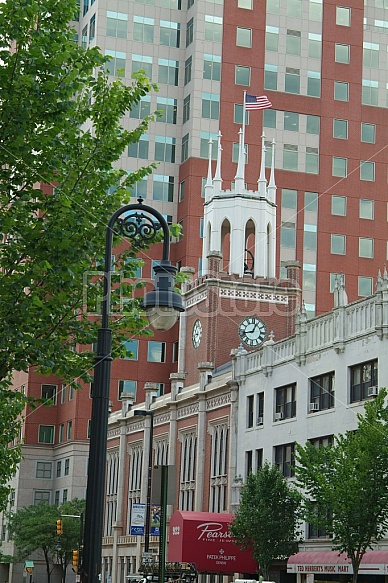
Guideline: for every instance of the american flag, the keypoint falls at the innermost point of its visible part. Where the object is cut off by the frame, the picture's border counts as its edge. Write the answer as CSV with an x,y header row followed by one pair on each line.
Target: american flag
x,y
256,102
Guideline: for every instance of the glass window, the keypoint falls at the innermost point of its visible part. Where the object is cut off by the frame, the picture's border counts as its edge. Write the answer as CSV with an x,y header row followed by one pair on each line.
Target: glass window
x,y
156,351
46,434
242,75
61,433
142,109
190,32
188,70
312,160
290,157
294,8
269,118
293,42
236,152
367,209
313,83
309,277
271,77
273,6
139,189
244,37
367,170
291,121
342,16
365,247
92,28
339,167
41,496
311,202
44,470
59,469
130,348
338,244
85,37
314,45
362,378
163,187
167,108
285,402
292,81
313,124
315,10
170,33
49,394
310,238
204,145
128,388
341,91
321,392
186,108
164,149
338,205
272,38
335,279
185,147
247,4
116,24
139,149
211,67
342,53
213,28
143,29
67,467
370,92
69,430
238,114
210,105
371,55
288,235
365,286
340,129
168,72
368,133
116,64
285,458
142,63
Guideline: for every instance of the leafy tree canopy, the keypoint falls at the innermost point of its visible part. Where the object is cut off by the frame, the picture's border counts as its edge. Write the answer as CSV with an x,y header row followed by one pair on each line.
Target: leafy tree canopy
x,y
266,521
346,486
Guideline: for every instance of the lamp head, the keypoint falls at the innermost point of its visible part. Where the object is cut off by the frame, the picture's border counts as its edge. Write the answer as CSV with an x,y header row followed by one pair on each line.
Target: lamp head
x,y
163,304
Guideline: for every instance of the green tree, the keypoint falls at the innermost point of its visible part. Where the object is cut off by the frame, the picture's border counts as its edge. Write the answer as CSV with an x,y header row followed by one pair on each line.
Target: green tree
x,y
61,137
266,521
72,513
346,486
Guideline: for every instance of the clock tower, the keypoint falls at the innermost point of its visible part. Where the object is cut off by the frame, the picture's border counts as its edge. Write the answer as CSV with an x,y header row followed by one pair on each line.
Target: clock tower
x,y
237,300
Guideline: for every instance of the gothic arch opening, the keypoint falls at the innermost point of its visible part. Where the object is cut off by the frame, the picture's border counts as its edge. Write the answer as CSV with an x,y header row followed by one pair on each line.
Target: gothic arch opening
x,y
225,245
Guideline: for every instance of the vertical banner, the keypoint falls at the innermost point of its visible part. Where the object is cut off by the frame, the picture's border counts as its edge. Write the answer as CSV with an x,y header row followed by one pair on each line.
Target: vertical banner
x,y
155,520
138,519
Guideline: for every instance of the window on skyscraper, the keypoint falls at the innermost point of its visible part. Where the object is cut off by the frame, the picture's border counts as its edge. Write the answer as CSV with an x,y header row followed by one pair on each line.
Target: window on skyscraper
x,y
185,148
367,170
170,33
244,37
293,42
92,28
167,107
313,124
116,24
143,63
312,160
210,106
289,198
370,92
341,91
46,434
238,114
313,83
139,149
340,129
311,202
164,149
204,145
269,118
247,4
168,72
288,235
272,38
273,6
139,189
365,286
291,121
242,75
212,67
314,45
338,244
236,150
174,4
365,247
292,80
338,205
156,351
116,65
342,16
339,166
190,32
342,53
315,10
143,29
131,348
368,133
290,157
294,8
213,28
188,69
367,209
309,277
270,77
84,36
127,386
163,187
310,237
186,109
371,55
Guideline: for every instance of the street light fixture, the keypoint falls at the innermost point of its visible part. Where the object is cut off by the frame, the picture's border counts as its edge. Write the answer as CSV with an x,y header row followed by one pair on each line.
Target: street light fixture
x,y
147,526
139,223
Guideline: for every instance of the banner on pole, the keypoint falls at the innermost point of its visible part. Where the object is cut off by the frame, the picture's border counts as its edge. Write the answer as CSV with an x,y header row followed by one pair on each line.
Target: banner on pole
x,y
137,519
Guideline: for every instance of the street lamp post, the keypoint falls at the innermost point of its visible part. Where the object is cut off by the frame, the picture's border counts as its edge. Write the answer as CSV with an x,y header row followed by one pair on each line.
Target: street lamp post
x,y
147,526
139,223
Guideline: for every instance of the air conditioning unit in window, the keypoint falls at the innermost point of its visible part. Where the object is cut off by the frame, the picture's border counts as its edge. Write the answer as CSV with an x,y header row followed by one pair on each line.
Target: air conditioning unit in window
x,y
279,416
314,407
372,391
260,421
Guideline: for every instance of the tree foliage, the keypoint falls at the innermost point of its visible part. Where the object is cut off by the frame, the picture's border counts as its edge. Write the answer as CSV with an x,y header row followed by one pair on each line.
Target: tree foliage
x,y
33,529
61,136
346,486
266,521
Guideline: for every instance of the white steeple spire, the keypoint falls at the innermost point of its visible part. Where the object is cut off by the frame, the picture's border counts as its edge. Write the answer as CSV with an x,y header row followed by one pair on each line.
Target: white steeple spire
x,y
262,182
217,176
209,189
239,179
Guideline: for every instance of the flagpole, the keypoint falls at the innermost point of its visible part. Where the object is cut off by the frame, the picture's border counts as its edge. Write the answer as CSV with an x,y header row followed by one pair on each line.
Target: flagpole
x,y
243,123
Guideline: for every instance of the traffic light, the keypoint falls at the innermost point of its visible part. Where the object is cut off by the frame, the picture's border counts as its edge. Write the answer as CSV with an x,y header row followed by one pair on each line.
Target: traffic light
x,y
59,527
75,558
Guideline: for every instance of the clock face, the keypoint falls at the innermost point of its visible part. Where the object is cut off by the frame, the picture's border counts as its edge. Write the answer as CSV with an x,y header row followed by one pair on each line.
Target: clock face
x,y
196,334
252,331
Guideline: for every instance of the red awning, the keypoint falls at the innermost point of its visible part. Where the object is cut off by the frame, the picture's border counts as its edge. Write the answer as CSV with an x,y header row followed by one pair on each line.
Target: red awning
x,y
327,562
203,538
